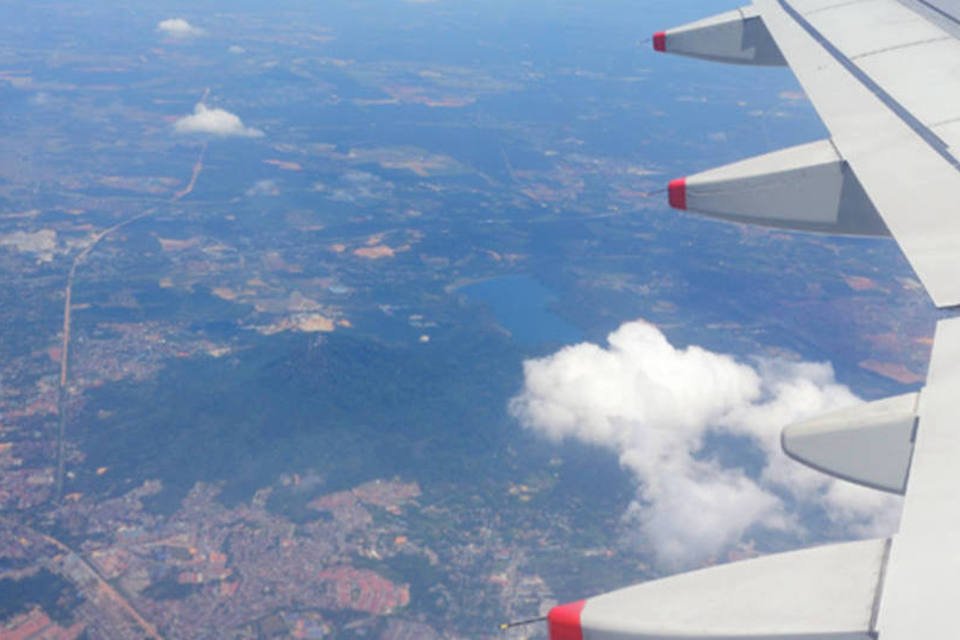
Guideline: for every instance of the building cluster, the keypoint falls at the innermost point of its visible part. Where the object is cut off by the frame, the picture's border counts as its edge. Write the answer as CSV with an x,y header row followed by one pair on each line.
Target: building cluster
x,y
37,625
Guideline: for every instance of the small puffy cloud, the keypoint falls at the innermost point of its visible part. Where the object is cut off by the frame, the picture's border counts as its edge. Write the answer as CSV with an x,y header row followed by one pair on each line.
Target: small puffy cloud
x,y
178,28
42,244
357,187
217,122
657,406
263,188
236,49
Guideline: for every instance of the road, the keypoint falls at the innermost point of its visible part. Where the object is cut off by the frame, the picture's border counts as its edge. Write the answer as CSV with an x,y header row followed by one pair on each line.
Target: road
x,y
63,387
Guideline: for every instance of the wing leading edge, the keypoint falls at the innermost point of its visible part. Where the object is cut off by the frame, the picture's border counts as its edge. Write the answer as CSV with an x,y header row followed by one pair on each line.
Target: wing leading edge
x,y
885,82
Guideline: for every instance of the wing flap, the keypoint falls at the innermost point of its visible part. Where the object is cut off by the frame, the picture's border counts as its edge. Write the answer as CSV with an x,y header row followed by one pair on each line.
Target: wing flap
x,y
924,78
862,28
950,134
914,62
920,596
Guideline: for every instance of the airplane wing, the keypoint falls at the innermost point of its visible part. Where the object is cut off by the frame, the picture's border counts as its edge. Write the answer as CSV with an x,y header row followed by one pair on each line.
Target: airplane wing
x,y
884,75
885,79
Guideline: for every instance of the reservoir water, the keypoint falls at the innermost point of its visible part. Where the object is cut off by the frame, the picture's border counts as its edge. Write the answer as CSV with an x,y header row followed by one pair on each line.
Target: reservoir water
x,y
522,306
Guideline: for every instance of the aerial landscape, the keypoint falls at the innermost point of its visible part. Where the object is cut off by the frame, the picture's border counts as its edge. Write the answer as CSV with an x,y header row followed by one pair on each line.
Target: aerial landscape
x,y
371,320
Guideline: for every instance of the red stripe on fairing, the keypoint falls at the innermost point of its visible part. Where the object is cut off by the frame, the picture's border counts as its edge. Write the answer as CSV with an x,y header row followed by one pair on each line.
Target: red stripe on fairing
x,y
678,193
564,621
660,41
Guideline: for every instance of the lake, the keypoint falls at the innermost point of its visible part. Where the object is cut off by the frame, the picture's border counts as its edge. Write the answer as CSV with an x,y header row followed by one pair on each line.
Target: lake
x,y
522,305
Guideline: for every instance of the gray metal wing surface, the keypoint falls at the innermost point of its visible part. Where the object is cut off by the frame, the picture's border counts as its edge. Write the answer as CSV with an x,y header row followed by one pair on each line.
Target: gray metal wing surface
x,y
886,82
884,76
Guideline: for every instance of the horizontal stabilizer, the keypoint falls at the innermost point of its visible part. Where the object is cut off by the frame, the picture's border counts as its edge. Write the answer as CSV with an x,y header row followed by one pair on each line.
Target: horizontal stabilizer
x,y
823,593
807,188
738,37
870,444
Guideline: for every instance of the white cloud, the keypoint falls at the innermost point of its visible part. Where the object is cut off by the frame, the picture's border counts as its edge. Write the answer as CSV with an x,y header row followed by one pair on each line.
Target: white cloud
x,y
42,244
178,28
655,405
236,49
263,188
218,122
